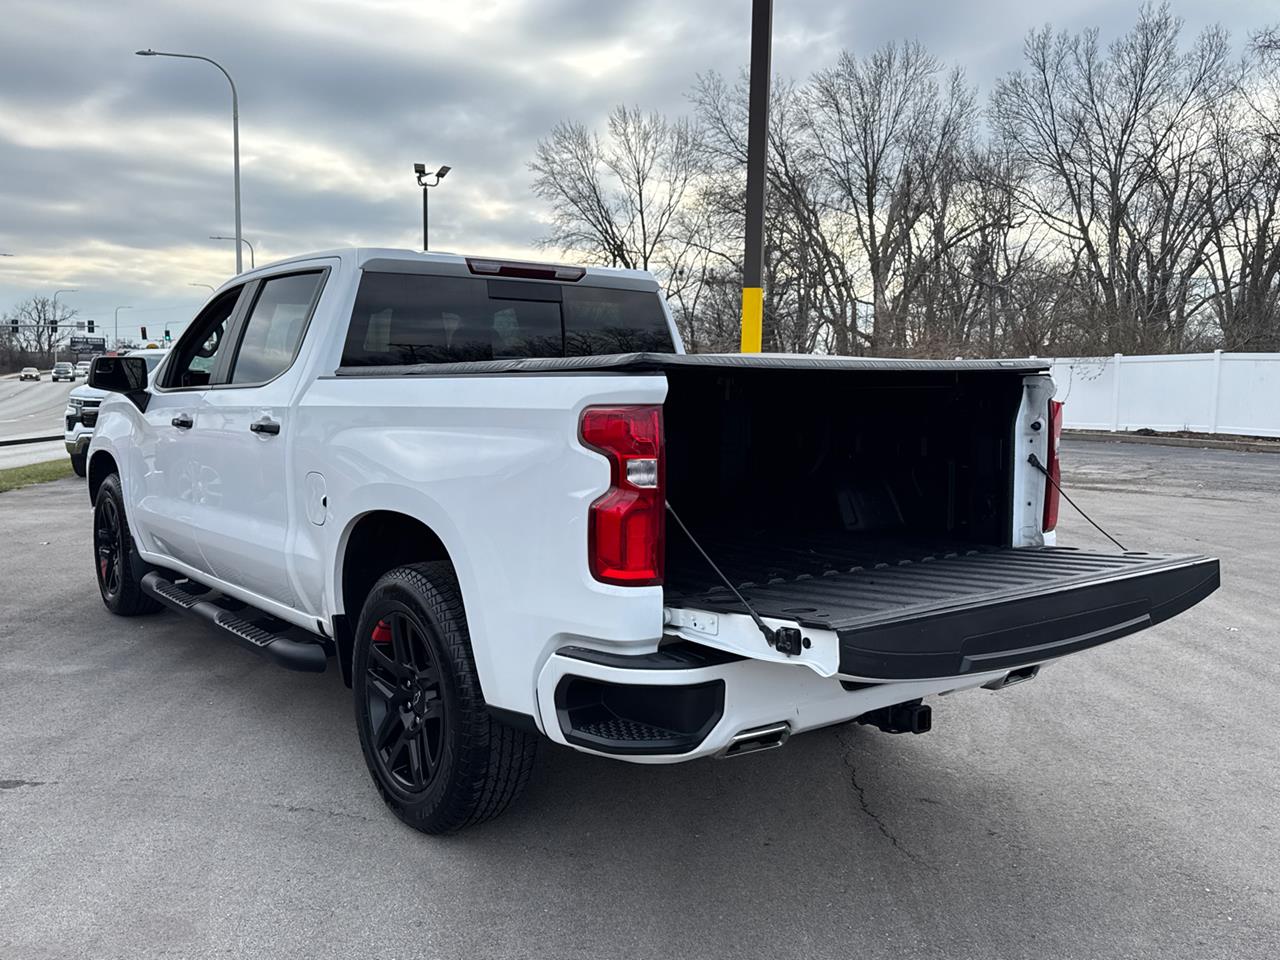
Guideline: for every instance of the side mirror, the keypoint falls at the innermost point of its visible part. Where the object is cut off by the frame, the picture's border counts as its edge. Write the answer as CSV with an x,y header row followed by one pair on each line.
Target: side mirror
x,y
127,375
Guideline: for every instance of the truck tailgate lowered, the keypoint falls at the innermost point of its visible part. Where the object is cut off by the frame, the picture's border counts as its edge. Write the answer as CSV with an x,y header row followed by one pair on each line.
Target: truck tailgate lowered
x,y
952,612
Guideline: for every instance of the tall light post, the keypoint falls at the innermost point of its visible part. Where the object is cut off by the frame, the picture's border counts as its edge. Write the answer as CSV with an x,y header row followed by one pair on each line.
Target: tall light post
x,y
116,344
235,130
55,319
426,181
247,244
209,285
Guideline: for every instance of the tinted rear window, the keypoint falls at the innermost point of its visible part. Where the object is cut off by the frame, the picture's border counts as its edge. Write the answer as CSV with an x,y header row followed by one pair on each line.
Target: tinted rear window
x,y
406,318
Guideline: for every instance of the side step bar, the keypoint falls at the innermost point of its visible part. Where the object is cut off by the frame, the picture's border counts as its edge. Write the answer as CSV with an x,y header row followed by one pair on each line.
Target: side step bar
x,y
287,652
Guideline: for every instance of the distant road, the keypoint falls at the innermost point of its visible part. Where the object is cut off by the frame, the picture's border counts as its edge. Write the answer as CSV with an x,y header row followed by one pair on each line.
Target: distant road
x,y
30,408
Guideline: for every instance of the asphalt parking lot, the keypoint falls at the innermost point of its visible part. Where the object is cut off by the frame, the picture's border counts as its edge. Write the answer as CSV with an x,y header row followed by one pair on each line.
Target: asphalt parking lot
x,y
165,793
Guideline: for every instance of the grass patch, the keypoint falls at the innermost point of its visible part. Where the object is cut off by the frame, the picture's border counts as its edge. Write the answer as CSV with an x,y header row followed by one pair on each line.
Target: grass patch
x,y
16,477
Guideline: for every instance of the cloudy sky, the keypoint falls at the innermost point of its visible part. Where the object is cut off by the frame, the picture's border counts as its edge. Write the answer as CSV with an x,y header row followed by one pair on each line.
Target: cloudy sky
x,y
114,169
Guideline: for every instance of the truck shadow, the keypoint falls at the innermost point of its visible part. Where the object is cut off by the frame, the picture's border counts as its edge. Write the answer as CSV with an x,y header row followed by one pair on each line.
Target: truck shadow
x,y
845,835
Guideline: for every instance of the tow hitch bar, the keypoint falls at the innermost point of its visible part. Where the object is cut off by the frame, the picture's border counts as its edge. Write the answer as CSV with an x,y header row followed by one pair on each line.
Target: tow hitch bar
x,y
912,717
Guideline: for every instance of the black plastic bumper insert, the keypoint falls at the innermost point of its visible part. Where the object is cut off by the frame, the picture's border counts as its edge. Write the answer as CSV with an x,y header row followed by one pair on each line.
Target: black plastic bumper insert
x,y
624,718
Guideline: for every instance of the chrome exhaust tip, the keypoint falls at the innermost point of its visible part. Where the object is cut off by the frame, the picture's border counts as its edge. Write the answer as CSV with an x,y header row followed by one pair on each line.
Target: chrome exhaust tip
x,y
1021,675
755,739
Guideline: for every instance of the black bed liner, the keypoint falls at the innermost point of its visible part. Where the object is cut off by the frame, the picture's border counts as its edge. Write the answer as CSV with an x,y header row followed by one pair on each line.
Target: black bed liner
x,y
906,612
659,362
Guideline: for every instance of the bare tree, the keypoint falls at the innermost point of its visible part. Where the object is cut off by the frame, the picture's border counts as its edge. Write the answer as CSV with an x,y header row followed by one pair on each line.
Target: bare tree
x,y
809,292
1243,266
1119,144
893,145
615,200
1127,198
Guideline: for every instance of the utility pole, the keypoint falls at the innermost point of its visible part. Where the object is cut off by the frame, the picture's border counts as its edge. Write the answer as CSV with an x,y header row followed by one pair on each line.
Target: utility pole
x,y
757,151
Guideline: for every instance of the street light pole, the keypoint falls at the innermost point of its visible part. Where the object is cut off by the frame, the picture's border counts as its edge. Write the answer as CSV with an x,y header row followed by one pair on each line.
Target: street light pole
x,y
252,263
116,344
426,181
209,285
55,319
235,130
757,148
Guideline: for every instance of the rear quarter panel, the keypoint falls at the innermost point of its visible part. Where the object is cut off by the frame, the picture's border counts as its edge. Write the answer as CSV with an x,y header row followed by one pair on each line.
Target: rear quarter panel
x,y
494,467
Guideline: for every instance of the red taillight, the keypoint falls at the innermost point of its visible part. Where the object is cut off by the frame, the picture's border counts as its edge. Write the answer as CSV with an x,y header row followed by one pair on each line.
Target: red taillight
x,y
1054,467
626,526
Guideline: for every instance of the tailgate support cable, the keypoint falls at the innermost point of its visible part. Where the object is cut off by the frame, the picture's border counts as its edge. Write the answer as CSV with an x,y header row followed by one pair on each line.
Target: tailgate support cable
x,y
1035,462
785,639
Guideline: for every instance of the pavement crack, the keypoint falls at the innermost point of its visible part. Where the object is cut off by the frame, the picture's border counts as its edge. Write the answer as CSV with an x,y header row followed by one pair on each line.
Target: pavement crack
x,y
15,784
861,792
335,814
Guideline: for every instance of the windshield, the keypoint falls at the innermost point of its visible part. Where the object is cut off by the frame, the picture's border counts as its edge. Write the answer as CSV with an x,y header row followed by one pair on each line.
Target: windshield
x,y
403,318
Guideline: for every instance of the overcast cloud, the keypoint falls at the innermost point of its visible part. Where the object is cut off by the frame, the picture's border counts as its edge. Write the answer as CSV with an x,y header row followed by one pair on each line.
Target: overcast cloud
x,y
114,168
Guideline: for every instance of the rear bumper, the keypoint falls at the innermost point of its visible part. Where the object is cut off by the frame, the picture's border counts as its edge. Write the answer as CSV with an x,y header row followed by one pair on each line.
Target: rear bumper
x,y
685,707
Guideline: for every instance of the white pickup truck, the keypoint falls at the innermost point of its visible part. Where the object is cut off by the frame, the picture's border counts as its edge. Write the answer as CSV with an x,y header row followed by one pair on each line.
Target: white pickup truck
x,y
507,503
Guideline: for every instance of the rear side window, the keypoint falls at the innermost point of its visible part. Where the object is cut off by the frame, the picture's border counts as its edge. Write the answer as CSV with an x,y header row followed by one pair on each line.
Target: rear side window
x,y
406,318
598,320
275,327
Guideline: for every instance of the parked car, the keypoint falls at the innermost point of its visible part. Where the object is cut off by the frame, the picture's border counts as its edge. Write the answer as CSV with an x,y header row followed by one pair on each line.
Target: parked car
x,y
29,373
82,368
63,371
507,504
82,412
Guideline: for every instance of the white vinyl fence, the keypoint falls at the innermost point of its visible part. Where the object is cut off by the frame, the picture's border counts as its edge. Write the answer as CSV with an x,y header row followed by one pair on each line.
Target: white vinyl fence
x,y
1205,392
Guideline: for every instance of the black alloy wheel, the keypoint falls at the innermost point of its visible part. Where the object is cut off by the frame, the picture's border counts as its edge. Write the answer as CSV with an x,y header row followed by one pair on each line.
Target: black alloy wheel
x,y
437,755
405,700
109,540
116,562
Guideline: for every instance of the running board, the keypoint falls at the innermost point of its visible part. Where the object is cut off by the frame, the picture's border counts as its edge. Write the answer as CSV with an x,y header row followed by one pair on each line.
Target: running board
x,y
284,650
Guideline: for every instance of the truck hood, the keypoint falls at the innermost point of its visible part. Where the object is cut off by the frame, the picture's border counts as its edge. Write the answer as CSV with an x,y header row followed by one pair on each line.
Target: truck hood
x,y
86,392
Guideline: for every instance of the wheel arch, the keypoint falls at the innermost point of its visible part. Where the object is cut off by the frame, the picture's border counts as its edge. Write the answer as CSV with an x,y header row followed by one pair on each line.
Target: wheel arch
x,y
101,465
373,543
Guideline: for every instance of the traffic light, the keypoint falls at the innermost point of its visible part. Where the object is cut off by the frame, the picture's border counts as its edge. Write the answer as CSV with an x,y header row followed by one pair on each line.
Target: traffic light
x,y
90,326
167,336
144,332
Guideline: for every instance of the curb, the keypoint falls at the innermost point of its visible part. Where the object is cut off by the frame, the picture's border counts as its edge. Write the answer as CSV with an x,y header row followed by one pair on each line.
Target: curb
x,y
1105,436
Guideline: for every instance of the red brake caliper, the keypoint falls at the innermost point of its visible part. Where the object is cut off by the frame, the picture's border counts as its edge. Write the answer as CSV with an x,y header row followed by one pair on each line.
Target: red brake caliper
x,y
382,632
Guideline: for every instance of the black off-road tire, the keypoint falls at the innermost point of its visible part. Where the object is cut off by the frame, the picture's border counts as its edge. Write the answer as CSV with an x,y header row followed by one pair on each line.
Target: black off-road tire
x,y
414,682
78,463
115,556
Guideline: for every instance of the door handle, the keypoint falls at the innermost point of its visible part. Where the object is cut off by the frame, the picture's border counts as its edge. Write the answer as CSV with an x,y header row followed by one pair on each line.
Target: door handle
x,y
265,425
183,421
